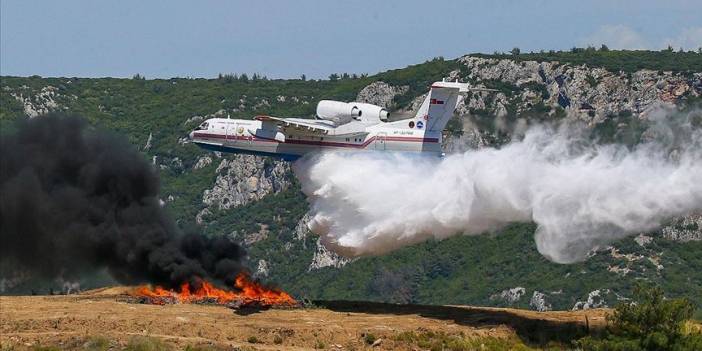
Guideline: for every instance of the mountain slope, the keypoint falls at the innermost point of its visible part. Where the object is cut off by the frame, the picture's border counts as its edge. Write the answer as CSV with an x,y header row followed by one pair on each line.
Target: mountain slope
x,y
258,202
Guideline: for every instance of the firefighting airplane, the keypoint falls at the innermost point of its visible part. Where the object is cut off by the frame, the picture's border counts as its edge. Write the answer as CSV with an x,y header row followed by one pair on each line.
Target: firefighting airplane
x,y
339,126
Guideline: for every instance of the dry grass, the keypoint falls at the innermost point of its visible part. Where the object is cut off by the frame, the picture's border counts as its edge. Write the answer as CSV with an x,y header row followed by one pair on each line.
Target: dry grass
x,y
440,341
144,343
74,323
692,327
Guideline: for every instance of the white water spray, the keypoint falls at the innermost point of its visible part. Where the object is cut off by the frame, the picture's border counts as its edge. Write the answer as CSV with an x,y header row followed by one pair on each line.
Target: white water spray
x,y
581,195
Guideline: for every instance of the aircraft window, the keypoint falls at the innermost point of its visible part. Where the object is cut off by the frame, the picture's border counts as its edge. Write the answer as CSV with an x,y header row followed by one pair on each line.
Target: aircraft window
x,y
411,124
202,126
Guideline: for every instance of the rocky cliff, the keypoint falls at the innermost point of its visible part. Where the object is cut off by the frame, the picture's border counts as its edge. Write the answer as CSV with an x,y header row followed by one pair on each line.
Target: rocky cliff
x,y
541,91
242,179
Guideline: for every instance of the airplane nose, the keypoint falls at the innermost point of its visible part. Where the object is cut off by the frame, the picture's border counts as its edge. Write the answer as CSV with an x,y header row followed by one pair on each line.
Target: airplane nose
x,y
191,135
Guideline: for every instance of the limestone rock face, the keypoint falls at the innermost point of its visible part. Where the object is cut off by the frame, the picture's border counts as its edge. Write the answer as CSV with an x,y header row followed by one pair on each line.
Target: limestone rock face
x,y
538,302
245,178
380,93
261,234
39,103
262,269
417,102
322,256
470,140
595,299
586,93
200,217
301,230
202,162
688,228
643,240
325,258
149,141
194,120
510,296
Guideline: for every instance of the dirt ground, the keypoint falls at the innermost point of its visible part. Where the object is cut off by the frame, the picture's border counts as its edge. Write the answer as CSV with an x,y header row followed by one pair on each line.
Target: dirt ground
x,y
71,322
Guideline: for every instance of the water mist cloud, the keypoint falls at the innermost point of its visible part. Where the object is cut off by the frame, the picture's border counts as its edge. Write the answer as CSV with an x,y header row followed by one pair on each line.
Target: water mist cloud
x,y
580,194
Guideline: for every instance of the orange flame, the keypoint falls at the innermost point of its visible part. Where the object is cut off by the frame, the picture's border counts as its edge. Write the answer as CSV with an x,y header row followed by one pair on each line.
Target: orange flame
x,y
248,292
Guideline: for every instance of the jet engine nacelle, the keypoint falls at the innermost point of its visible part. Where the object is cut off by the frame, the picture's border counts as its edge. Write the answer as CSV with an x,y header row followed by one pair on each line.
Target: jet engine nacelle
x,y
344,112
337,111
371,113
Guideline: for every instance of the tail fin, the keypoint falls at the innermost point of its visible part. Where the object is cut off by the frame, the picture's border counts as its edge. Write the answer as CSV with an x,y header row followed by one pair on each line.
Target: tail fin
x,y
437,109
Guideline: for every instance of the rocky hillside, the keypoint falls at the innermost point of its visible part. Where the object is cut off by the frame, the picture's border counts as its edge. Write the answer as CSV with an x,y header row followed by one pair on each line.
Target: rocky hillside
x,y
257,200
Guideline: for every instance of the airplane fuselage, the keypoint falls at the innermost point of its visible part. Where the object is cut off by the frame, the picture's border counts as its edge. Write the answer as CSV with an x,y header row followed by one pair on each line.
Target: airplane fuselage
x,y
251,137
340,126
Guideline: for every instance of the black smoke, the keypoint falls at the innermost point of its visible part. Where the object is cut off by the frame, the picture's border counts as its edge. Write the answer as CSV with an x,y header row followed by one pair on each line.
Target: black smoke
x,y
74,199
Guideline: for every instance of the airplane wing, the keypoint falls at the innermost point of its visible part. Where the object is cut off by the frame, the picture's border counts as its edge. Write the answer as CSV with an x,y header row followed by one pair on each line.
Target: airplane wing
x,y
285,123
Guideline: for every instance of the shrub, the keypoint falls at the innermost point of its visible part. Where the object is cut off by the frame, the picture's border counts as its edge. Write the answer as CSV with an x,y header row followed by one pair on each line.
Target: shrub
x,y
591,80
649,322
199,348
143,343
97,343
252,339
46,348
440,341
369,338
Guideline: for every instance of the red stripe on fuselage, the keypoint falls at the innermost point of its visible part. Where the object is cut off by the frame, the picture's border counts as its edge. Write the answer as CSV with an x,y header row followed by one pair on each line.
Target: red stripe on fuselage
x,y
317,142
234,137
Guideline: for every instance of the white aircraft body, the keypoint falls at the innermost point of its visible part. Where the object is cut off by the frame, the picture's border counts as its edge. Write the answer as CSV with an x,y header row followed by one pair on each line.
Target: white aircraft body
x,y
339,126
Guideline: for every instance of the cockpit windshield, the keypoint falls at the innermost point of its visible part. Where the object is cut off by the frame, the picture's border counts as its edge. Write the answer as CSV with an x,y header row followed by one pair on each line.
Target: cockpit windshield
x,y
203,126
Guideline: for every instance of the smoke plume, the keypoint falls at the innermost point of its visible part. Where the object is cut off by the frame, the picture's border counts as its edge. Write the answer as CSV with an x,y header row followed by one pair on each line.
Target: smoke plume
x,y
581,194
76,199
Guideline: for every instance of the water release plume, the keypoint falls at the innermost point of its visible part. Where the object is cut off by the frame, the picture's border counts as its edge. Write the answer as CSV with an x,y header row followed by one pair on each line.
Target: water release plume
x,y
580,194
76,199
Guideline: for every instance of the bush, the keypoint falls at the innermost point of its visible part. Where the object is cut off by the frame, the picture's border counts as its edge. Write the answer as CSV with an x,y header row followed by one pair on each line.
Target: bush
x,y
146,344
369,338
440,341
97,343
252,340
649,322
200,348
46,348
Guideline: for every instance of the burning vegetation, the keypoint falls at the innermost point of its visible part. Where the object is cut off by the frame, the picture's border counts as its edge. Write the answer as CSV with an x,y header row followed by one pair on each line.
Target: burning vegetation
x,y
246,293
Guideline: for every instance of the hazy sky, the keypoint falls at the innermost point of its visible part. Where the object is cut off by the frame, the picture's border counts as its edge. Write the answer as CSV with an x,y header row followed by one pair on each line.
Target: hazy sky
x,y
284,39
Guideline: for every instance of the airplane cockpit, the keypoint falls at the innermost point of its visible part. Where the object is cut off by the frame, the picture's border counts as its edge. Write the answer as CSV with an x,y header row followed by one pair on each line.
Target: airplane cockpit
x,y
202,126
